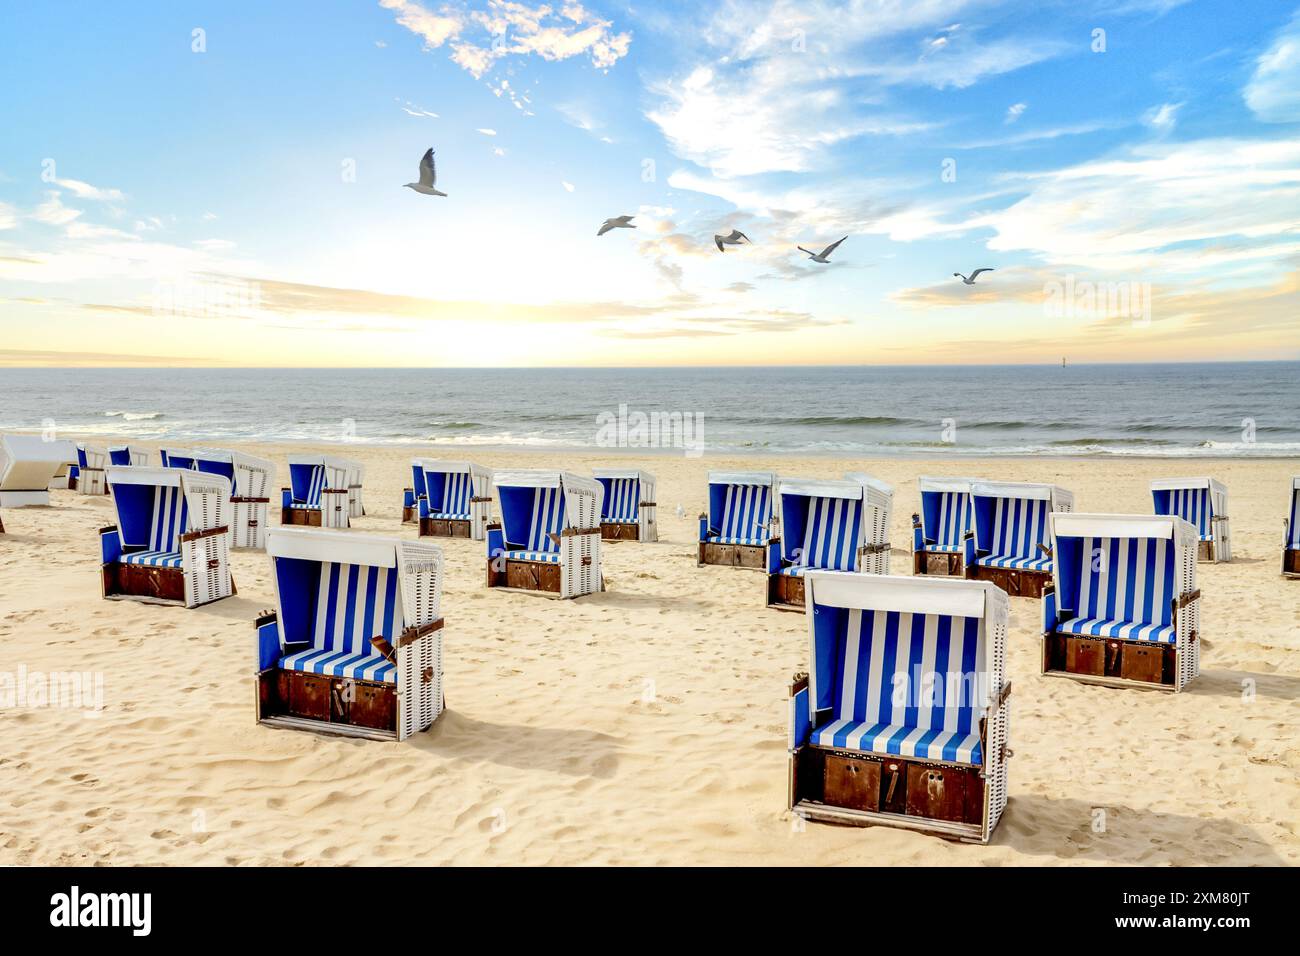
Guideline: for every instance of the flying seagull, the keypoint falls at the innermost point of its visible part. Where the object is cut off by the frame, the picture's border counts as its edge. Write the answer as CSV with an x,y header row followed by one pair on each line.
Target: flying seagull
x,y
732,240
821,256
428,176
618,222
971,280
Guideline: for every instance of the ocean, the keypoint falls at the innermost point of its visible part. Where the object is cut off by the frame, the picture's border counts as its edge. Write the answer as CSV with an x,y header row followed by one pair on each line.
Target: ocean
x,y
1197,410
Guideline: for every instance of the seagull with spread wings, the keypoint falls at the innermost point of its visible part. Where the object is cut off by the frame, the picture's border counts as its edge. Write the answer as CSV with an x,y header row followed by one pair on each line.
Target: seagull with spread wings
x,y
970,280
734,239
428,176
822,256
618,222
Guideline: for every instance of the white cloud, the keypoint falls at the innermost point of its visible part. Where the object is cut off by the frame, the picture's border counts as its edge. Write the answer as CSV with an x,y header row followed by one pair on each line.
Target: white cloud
x,y
8,218
1015,111
568,187
479,38
1163,117
486,132
782,84
410,109
86,191
1273,92
1159,207
52,212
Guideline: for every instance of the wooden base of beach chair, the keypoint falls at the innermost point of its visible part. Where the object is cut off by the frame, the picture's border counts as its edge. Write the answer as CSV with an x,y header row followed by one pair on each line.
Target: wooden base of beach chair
x,y
785,592
867,789
137,582
1015,581
332,705
447,528
1291,563
143,583
541,576
306,517
1110,661
938,563
733,555
410,514
620,531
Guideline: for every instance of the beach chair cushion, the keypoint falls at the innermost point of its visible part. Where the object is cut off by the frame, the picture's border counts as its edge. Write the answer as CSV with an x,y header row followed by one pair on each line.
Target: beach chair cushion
x,y
354,603
937,720
304,506
620,502
451,516
153,559
724,539
553,557
1126,630
901,740
830,538
1040,563
1019,527
1194,506
746,514
1126,589
954,518
547,519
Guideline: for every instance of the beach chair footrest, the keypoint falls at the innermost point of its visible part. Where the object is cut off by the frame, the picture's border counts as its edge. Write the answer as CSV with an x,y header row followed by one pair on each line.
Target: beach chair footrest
x,y
1017,582
444,528
888,786
1110,659
733,555
620,531
939,563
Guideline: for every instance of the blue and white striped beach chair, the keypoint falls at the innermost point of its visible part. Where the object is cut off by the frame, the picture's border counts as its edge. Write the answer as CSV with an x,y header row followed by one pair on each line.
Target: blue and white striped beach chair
x,y
251,480
941,527
171,543
629,509
548,538
317,495
1124,609
1291,533
741,519
354,645
1202,502
452,499
827,525
902,717
122,455
91,462
1011,546
174,457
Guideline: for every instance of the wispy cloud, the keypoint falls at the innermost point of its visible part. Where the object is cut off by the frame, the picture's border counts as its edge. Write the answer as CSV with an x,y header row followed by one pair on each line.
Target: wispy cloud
x,y
478,39
1273,92
87,191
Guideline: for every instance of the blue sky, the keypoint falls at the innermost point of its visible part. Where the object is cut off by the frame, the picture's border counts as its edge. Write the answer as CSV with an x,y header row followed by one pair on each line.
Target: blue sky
x,y
235,195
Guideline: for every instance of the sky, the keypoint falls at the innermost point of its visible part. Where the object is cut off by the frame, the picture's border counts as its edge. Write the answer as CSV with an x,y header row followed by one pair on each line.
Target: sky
x,y
221,183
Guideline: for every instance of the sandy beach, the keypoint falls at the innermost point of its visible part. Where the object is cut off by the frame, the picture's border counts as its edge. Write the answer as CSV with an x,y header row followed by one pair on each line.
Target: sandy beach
x,y
644,725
